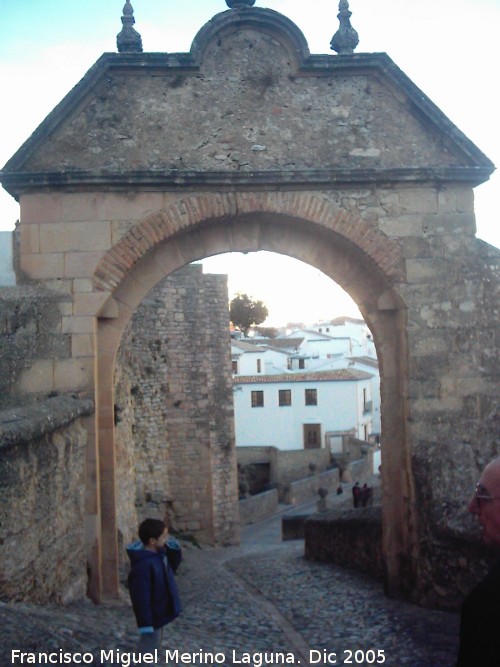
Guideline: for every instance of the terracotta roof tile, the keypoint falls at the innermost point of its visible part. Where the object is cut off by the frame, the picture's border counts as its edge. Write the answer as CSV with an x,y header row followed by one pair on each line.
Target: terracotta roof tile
x,y
340,375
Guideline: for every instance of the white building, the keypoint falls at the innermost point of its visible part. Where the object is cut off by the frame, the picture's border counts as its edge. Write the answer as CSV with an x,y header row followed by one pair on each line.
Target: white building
x,y
369,365
346,334
252,359
7,275
302,410
333,360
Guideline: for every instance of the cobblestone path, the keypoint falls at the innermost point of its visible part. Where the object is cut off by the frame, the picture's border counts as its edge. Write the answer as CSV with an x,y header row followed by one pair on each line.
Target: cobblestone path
x,y
259,602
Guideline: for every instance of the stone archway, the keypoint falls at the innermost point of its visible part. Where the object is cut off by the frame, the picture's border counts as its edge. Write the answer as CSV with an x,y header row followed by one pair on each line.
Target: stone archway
x,y
363,261
250,142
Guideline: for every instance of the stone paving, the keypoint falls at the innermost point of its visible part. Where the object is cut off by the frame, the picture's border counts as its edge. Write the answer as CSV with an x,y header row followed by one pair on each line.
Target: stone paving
x,y
249,605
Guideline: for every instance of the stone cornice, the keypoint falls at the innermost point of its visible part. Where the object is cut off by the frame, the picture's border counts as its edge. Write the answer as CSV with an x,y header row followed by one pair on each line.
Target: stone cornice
x,y
17,183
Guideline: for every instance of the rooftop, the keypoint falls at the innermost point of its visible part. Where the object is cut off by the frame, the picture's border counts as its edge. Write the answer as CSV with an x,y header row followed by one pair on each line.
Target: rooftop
x,y
340,375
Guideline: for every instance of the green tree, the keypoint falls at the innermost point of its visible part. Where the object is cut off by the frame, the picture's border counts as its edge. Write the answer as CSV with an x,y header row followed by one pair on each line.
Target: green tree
x,y
267,332
245,312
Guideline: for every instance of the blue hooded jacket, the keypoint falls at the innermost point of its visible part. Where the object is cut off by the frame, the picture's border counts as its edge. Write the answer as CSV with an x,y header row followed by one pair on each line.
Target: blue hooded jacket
x,y
153,590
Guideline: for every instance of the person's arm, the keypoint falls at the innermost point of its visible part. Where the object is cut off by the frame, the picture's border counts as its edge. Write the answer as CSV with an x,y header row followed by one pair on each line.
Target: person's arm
x,y
174,553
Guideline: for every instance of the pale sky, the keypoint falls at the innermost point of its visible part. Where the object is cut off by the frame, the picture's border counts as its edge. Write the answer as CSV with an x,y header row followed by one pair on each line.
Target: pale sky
x,y
449,48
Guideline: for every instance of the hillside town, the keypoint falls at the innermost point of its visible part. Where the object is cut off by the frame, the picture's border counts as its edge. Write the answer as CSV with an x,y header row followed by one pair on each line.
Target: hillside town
x,y
307,388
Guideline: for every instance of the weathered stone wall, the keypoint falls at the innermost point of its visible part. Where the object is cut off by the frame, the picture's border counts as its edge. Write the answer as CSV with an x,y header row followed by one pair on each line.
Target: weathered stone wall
x,y
258,507
454,407
293,465
30,341
285,466
270,116
42,486
174,411
350,538
305,489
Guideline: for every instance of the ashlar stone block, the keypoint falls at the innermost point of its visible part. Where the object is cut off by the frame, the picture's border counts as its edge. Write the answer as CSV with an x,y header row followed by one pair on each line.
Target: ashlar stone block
x,y
75,237
43,266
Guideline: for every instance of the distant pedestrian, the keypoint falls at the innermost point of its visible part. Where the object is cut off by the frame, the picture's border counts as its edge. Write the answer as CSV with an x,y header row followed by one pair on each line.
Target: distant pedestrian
x,y
356,492
155,558
365,495
340,490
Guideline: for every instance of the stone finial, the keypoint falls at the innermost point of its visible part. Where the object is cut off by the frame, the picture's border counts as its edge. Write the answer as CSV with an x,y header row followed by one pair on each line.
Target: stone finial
x,y
235,4
128,39
346,39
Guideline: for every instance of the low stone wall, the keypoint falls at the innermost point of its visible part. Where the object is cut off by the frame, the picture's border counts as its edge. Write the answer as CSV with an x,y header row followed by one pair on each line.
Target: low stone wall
x,y
350,538
258,507
294,464
358,471
42,487
286,466
305,489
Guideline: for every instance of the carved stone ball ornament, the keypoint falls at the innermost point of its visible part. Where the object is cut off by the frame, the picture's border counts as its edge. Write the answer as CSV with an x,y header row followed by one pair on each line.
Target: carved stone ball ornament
x,y
235,4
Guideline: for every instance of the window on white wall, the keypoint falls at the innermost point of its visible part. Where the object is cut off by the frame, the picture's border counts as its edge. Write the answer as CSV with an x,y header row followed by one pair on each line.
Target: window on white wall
x,y
311,397
367,404
259,366
257,399
285,397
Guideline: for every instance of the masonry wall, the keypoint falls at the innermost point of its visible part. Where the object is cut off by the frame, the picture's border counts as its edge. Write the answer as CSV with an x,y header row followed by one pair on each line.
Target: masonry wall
x,y
31,342
173,407
454,404
285,466
42,486
450,292
349,538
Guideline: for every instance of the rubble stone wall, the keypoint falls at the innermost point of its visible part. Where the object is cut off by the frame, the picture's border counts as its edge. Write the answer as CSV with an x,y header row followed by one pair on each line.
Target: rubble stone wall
x,y
454,409
42,486
350,538
173,407
285,466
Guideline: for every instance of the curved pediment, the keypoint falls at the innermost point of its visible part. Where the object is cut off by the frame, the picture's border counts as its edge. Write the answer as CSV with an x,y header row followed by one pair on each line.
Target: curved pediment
x,y
263,21
248,104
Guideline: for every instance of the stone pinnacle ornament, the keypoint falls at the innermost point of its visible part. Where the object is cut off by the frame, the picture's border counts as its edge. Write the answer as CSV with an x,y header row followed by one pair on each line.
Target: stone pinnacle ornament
x,y
128,39
346,38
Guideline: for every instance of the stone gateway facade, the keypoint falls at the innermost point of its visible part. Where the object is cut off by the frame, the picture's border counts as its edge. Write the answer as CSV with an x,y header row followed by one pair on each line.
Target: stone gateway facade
x,y
251,143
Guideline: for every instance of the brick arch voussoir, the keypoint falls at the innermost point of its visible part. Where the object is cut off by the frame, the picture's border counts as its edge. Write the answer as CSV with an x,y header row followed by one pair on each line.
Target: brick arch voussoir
x,y
157,227
191,211
383,251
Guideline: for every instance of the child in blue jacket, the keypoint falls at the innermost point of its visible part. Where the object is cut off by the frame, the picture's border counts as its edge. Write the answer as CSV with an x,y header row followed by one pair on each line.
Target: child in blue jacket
x,y
155,599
